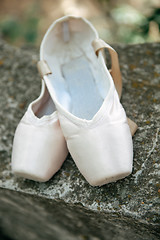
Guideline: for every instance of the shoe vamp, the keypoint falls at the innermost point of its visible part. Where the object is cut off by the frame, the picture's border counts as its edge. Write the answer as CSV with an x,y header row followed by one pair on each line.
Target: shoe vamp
x,y
101,149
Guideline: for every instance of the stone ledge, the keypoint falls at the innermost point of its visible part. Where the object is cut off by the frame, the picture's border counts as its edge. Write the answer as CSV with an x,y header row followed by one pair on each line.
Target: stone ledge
x,y
40,218
135,198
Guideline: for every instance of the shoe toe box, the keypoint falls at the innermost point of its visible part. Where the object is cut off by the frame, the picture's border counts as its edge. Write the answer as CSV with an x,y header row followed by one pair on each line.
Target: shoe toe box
x,y
38,151
103,154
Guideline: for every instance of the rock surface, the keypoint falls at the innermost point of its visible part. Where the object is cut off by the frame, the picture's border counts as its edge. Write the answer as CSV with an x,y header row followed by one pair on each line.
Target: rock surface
x,y
66,207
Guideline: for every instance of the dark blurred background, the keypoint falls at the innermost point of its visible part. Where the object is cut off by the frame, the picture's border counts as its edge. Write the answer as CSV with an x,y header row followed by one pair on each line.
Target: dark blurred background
x,y
129,21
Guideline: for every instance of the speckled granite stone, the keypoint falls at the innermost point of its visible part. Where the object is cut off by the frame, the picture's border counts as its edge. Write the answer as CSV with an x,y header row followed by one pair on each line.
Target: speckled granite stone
x,y
66,206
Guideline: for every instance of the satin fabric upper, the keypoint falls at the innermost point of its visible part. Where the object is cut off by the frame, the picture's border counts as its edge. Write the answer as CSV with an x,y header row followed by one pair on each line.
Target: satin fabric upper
x,y
101,145
39,147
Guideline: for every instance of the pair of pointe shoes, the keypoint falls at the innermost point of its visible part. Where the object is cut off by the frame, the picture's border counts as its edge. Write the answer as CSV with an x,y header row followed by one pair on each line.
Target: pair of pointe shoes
x,y
78,110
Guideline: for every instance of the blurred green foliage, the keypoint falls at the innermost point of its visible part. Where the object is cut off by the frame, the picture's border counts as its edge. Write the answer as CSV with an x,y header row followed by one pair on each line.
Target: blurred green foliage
x,y
128,25
155,16
24,30
133,26
12,29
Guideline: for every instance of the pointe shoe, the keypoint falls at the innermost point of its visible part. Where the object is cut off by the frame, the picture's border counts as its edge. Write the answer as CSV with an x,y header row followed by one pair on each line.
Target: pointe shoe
x,y
86,95
39,147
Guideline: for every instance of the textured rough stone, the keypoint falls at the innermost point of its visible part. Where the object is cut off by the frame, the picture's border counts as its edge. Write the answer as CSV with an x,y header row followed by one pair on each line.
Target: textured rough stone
x,y
66,205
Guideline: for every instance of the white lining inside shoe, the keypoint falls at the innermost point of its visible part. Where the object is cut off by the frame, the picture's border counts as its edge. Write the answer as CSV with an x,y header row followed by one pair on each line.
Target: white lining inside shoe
x,y
46,109
78,77
43,106
81,86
